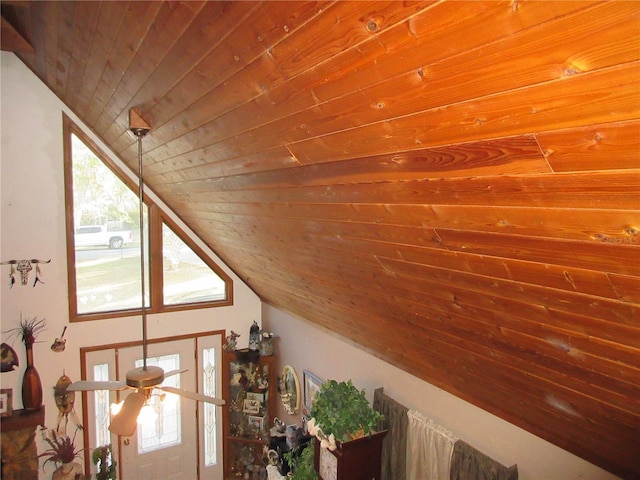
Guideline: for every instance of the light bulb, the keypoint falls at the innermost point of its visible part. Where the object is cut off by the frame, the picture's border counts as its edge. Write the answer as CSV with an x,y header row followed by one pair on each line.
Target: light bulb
x,y
147,414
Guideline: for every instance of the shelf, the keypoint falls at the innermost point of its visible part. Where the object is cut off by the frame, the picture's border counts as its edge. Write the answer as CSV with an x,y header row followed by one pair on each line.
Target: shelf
x,y
21,419
249,388
254,441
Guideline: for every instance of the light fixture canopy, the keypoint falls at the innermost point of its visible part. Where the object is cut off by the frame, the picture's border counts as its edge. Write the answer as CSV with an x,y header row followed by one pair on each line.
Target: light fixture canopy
x,y
137,125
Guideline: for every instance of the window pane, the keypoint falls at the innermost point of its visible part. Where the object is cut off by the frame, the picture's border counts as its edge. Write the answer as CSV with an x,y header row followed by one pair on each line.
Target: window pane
x,y
187,278
107,240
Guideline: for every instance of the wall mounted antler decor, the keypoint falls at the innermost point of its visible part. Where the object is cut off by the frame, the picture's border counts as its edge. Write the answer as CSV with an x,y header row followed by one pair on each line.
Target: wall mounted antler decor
x,y
24,267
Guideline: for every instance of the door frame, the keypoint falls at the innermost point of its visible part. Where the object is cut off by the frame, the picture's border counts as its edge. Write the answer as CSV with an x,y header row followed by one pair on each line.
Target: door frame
x,y
84,351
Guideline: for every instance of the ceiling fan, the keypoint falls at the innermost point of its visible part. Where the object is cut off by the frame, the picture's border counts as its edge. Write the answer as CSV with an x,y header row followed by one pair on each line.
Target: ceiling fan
x,y
142,380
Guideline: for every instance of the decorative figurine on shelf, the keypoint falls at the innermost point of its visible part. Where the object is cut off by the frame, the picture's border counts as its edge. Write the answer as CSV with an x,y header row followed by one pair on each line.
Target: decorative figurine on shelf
x,y
266,343
254,337
24,267
230,341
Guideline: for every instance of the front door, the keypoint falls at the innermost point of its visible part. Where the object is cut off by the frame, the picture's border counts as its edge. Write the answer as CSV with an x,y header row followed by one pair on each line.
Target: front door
x,y
164,445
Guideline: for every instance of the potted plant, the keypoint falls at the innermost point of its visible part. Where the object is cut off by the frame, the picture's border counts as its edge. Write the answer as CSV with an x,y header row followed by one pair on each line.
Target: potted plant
x,y
348,429
302,467
102,457
62,453
341,413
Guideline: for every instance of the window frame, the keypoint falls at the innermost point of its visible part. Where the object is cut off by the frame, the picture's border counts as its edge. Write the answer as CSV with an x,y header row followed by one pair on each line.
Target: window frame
x,y
157,216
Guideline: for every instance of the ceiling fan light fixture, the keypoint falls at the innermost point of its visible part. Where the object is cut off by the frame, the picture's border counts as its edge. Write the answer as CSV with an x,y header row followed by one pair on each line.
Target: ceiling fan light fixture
x,y
116,407
147,415
145,377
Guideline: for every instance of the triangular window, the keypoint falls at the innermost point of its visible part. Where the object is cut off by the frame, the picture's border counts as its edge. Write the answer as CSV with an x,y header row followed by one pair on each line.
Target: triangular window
x,y
103,244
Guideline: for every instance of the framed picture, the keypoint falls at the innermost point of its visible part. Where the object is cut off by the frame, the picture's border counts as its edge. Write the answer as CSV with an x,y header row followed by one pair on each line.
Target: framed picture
x,y
312,384
256,396
251,406
256,423
6,402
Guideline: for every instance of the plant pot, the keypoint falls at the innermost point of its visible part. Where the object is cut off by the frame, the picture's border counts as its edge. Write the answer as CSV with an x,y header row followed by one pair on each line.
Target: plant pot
x,y
68,471
354,460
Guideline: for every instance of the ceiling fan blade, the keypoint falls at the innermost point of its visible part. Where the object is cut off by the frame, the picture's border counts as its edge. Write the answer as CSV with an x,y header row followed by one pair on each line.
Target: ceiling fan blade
x,y
174,372
88,386
125,421
192,395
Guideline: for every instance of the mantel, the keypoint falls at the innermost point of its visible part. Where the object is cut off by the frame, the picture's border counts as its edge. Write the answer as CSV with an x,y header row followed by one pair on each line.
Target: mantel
x,y
21,419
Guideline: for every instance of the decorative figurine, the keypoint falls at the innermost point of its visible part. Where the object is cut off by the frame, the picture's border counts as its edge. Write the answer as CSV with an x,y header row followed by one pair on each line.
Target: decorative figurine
x,y
254,337
60,343
9,358
230,341
24,267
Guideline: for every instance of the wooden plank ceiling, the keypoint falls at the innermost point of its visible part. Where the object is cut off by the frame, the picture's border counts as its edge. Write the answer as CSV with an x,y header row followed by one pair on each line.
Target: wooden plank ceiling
x,y
452,185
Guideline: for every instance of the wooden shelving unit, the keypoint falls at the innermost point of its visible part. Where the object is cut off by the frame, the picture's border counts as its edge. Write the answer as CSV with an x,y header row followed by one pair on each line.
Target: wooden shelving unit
x,y
249,388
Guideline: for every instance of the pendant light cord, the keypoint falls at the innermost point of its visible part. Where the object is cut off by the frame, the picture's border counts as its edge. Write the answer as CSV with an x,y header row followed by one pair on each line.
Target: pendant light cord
x,y
139,133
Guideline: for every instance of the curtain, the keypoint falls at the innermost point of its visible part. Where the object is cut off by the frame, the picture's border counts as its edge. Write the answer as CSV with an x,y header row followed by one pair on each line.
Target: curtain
x,y
394,445
429,448
467,463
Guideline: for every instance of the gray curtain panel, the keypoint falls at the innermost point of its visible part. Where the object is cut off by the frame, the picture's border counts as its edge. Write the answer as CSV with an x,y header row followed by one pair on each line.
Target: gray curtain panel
x,y
394,445
467,463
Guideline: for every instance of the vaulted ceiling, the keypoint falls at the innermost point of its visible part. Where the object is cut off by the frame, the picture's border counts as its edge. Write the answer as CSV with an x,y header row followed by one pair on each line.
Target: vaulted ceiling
x,y
452,185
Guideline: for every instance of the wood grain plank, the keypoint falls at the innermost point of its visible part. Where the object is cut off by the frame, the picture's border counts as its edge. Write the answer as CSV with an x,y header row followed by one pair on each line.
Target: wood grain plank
x,y
341,26
540,302
608,226
87,15
384,108
545,347
605,256
168,26
598,147
596,190
605,96
626,287
239,69
135,23
517,155
64,42
110,22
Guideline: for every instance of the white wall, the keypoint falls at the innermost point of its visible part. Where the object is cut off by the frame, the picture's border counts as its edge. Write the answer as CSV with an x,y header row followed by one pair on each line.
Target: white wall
x,y
305,346
33,226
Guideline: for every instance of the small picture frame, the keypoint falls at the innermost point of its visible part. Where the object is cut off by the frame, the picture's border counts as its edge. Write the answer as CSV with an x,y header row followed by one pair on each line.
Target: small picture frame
x,y
6,402
256,423
251,406
256,396
312,384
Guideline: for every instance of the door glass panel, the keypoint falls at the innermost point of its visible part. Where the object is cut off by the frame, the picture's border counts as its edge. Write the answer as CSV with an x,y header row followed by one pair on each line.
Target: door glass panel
x,y
165,430
210,420
101,405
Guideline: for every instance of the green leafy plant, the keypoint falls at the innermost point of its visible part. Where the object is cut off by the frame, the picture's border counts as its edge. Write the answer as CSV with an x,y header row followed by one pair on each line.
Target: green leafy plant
x,y
62,449
102,457
302,466
341,411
